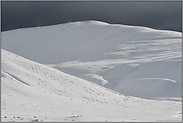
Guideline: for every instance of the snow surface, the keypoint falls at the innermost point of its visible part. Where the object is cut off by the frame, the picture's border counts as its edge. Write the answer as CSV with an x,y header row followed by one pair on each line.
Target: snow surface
x,y
138,67
32,91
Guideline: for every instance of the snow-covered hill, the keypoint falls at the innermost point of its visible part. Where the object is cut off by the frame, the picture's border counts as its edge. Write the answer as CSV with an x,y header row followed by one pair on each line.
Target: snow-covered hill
x,y
132,60
35,92
139,62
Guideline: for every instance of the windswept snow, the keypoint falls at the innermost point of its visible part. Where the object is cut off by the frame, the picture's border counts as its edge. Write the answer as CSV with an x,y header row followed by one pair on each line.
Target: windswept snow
x,y
107,54
105,61
31,91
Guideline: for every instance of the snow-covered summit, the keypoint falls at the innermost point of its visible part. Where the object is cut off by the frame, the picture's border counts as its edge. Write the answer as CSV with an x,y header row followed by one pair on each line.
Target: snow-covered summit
x,y
115,56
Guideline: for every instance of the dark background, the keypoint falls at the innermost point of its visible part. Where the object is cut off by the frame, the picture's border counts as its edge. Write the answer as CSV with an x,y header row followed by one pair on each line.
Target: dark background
x,y
157,15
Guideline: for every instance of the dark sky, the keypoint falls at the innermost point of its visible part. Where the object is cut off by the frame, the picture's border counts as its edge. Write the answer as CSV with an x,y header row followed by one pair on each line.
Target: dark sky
x,y
157,15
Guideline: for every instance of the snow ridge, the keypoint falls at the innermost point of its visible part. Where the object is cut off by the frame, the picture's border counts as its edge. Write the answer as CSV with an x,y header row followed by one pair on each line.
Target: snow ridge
x,y
99,52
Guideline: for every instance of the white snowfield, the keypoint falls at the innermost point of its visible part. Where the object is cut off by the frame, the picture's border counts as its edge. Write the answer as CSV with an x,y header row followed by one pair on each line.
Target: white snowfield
x,y
117,73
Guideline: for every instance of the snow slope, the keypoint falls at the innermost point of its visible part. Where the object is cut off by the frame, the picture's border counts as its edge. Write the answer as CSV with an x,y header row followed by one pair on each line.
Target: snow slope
x,y
32,92
132,60
133,64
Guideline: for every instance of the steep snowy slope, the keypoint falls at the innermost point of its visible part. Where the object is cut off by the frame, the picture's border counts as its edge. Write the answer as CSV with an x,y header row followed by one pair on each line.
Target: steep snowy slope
x,y
133,60
34,92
